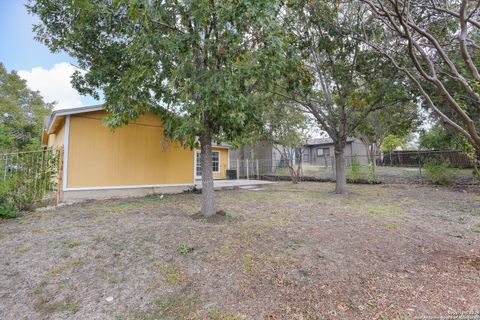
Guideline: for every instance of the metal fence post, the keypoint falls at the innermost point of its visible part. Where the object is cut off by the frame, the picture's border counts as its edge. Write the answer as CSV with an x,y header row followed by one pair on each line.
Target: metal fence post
x,y
247,170
238,169
419,163
258,172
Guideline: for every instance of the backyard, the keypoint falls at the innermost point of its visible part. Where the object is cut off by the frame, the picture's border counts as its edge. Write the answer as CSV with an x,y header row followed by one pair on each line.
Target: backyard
x,y
386,174
283,251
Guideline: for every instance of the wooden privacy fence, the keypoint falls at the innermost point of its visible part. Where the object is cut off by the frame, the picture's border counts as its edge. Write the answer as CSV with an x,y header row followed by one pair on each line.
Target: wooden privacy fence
x,y
456,159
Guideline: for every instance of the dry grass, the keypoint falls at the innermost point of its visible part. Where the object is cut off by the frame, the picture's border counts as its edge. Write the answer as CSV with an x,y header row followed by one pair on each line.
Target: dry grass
x,y
284,252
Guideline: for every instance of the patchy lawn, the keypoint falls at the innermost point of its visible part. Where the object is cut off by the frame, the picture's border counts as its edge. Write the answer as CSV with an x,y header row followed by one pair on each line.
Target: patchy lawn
x,y
283,252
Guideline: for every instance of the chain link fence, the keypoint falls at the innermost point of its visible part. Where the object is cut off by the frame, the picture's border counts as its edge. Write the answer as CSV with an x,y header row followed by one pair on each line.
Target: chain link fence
x,y
446,167
28,177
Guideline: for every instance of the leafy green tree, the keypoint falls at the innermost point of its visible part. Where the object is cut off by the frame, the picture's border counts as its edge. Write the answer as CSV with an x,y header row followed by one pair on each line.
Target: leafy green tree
x,y
287,130
392,142
194,63
398,121
441,138
340,81
21,113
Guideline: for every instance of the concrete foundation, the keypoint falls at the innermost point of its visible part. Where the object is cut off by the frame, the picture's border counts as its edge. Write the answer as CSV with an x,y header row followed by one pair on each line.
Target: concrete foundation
x,y
72,196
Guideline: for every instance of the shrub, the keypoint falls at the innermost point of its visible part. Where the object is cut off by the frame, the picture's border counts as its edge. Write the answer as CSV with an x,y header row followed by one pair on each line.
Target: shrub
x,y
372,177
7,206
26,178
355,170
438,171
8,212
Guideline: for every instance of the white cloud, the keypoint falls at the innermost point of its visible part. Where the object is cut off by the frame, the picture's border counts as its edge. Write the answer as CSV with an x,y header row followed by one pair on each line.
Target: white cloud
x,y
54,84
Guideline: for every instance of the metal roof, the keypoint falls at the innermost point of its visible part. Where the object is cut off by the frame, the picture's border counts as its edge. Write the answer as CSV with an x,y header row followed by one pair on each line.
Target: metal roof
x,y
64,112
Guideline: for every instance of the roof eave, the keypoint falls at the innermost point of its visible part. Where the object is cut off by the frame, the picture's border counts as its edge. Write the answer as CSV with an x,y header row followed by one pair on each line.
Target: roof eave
x,y
66,112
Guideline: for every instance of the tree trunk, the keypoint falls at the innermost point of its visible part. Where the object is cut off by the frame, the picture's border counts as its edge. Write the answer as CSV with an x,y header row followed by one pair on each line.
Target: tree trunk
x,y
340,169
373,153
208,193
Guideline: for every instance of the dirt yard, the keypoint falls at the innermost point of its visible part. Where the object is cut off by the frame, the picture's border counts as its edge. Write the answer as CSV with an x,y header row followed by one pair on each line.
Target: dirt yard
x,y
282,252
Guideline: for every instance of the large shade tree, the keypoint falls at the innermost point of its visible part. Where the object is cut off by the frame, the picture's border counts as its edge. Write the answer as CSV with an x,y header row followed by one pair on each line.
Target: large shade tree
x,y
436,45
343,80
191,62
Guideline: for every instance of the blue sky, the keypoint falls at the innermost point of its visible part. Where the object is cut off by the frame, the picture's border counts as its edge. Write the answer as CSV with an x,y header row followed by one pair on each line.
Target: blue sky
x,y
44,71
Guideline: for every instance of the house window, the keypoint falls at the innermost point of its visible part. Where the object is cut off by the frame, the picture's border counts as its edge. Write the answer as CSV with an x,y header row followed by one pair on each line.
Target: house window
x,y
323,152
198,162
215,162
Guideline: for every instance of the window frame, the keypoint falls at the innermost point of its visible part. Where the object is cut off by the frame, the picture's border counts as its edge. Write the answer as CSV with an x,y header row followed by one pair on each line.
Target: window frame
x,y
198,162
218,161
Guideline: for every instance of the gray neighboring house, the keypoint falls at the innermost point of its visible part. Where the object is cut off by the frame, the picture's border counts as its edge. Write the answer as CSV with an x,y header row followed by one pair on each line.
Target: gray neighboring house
x,y
320,152
317,152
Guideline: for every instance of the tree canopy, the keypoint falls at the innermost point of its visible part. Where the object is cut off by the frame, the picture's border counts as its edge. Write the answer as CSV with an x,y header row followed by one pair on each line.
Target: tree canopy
x,y
21,113
435,44
193,63
441,138
340,81
398,121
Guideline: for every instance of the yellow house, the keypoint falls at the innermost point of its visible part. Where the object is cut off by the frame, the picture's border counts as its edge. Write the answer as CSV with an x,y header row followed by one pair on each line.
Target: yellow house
x,y
133,160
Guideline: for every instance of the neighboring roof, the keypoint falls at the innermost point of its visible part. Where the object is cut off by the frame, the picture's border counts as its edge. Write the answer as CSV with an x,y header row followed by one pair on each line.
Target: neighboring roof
x,y
323,141
220,144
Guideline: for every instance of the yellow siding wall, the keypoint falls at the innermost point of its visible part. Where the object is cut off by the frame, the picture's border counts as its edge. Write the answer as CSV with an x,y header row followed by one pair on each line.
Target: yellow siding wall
x,y
223,163
132,155
57,139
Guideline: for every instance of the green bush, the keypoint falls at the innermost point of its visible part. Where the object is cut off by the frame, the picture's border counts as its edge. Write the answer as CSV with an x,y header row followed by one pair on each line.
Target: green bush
x,y
7,212
28,178
7,206
354,172
372,177
438,171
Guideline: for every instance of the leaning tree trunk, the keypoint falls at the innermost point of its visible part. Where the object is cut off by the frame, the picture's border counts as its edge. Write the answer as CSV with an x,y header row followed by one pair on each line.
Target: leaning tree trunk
x,y
340,168
208,193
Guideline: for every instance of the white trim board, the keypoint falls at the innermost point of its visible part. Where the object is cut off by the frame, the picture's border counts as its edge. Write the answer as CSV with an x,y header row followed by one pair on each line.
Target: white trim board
x,y
196,176
219,161
194,165
129,187
66,140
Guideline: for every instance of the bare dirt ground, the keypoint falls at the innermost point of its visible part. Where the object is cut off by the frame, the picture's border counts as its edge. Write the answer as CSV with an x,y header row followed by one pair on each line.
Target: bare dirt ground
x,y
283,252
